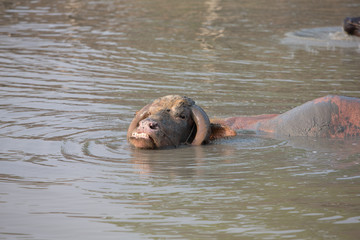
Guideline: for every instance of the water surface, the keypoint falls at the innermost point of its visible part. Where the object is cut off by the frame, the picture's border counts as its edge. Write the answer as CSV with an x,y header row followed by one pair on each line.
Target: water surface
x,y
73,73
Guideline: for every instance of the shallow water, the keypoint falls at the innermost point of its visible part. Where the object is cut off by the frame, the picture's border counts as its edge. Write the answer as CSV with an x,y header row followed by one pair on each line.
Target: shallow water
x,y
74,72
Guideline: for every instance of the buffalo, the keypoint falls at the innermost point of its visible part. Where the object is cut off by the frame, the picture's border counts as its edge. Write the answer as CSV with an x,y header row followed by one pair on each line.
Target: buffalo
x,y
352,26
175,120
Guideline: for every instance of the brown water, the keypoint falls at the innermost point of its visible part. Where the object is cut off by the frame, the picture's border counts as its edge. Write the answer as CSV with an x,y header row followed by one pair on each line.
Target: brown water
x,y
73,72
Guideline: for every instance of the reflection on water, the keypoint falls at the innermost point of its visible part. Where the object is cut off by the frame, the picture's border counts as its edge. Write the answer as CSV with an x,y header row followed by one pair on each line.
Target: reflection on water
x,y
208,30
73,73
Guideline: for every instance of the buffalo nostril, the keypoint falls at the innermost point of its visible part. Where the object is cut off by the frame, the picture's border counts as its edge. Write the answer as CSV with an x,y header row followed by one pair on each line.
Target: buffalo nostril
x,y
153,125
148,124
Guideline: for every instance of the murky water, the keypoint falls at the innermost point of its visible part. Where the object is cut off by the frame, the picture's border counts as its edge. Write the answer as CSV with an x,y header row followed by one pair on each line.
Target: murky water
x,y
73,72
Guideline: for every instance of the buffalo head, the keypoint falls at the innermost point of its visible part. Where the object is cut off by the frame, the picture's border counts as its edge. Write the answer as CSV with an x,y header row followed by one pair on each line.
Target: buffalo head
x,y
352,26
168,122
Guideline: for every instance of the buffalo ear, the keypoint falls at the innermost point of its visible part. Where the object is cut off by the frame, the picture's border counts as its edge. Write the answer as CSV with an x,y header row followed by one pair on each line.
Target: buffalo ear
x,y
140,115
219,130
202,122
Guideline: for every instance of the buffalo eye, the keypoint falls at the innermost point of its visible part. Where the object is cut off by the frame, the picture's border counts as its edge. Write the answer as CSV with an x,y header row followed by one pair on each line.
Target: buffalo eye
x,y
182,116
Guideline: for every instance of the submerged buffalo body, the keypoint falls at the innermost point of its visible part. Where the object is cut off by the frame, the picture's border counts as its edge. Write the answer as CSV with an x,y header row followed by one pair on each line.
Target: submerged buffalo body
x,y
174,120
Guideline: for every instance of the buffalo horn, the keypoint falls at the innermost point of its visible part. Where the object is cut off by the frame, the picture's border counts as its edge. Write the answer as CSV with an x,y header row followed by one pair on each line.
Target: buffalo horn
x,y
202,124
140,115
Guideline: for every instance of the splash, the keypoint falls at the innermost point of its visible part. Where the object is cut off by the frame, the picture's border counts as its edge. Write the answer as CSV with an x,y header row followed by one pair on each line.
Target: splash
x,y
328,37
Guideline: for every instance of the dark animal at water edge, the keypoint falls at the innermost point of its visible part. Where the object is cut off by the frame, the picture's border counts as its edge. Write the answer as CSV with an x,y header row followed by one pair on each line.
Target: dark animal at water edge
x,y
174,120
352,26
